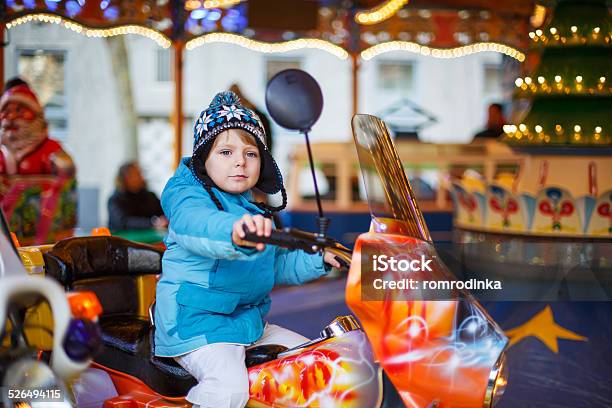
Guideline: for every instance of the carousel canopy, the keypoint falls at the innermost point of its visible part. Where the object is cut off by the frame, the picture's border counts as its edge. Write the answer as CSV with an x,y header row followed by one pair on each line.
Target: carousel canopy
x,y
440,28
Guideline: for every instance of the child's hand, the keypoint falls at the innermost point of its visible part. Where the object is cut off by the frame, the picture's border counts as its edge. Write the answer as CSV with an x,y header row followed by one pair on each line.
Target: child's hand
x,y
256,224
160,223
330,259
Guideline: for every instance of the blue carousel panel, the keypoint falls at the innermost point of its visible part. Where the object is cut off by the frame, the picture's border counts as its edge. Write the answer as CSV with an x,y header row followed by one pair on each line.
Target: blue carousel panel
x,y
559,355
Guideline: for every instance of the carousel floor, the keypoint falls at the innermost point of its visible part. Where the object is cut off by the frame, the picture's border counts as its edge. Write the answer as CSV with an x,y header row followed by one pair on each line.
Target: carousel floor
x,y
307,309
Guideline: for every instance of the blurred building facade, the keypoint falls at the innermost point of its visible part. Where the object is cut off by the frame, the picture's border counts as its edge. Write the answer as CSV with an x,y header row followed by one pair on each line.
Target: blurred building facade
x,y
75,77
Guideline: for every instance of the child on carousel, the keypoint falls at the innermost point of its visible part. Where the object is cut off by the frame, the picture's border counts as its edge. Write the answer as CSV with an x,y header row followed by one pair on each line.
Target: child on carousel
x,y
213,294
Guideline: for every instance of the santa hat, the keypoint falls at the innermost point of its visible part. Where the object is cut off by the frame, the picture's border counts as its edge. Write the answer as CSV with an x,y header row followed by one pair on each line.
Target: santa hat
x,y
21,94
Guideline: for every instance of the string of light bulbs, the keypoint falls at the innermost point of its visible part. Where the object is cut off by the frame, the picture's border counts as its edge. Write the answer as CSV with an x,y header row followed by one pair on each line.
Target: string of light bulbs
x,y
210,4
558,134
264,47
554,37
441,52
159,38
313,43
380,13
559,85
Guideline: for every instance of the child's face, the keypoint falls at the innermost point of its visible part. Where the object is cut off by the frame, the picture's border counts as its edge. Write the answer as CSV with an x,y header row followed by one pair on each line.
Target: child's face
x,y
233,162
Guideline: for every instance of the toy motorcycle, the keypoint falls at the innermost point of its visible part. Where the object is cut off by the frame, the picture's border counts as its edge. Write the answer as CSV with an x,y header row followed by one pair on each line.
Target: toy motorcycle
x,y
436,353
27,379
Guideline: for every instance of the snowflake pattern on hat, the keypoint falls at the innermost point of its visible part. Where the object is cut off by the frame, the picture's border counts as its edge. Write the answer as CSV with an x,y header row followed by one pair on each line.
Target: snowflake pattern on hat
x,y
232,112
203,123
225,112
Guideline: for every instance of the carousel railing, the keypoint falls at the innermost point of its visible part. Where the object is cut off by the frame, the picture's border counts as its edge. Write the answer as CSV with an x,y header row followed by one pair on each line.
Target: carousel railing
x,y
338,161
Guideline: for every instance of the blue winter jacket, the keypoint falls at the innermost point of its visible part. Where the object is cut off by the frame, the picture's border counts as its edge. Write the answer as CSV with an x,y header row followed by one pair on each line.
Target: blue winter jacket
x,y
212,291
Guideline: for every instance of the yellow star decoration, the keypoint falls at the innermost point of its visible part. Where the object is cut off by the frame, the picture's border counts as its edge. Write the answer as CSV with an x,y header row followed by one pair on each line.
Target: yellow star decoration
x,y
543,327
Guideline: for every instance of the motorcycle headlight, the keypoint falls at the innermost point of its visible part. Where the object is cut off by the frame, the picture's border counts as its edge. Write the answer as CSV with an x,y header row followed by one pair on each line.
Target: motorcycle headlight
x,y
83,339
498,380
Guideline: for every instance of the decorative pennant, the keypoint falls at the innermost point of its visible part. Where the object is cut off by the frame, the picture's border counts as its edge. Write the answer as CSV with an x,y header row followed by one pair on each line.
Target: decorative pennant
x,y
504,210
556,212
600,223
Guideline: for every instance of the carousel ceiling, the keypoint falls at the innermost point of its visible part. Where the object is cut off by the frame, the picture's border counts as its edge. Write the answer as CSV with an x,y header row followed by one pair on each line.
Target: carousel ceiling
x,y
440,28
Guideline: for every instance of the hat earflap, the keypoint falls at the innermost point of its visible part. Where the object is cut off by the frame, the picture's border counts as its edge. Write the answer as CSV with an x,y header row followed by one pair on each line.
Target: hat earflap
x,y
268,209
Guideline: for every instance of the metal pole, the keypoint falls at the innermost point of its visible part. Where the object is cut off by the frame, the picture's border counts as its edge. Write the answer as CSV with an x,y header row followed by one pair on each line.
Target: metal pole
x,y
355,59
354,47
177,119
323,221
314,177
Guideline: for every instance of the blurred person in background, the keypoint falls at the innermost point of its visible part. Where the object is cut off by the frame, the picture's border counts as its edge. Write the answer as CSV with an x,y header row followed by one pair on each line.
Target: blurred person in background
x,y
132,206
495,123
25,146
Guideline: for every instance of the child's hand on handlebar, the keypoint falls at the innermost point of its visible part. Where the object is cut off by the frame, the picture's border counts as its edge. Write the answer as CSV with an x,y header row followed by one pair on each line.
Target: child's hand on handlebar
x,y
256,224
330,259
262,227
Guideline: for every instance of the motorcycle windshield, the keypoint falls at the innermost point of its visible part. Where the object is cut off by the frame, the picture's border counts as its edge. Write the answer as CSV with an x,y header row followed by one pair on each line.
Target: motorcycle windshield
x,y
392,203
438,346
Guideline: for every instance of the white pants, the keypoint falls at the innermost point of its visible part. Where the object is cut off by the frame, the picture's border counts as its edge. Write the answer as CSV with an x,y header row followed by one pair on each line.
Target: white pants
x,y
221,372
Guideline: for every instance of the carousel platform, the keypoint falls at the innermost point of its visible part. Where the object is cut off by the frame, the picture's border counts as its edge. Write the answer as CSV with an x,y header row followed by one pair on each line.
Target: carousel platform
x,y
346,226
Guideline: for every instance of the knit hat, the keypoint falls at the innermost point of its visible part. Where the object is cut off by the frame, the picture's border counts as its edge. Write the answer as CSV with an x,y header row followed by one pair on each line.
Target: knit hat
x,y
225,112
22,94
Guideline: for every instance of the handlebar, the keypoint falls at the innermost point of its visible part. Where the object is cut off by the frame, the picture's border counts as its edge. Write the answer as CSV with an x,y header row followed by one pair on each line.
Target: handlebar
x,y
308,242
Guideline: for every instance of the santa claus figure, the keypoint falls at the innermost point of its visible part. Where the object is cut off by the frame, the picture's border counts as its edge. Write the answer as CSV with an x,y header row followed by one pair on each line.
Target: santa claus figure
x,y
25,146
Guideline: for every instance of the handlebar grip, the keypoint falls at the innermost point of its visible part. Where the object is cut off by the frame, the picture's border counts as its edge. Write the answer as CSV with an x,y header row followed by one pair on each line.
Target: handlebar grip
x,y
342,262
280,238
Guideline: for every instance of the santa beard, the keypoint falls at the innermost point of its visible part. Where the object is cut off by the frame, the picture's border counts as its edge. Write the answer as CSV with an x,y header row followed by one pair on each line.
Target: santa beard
x,y
21,137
